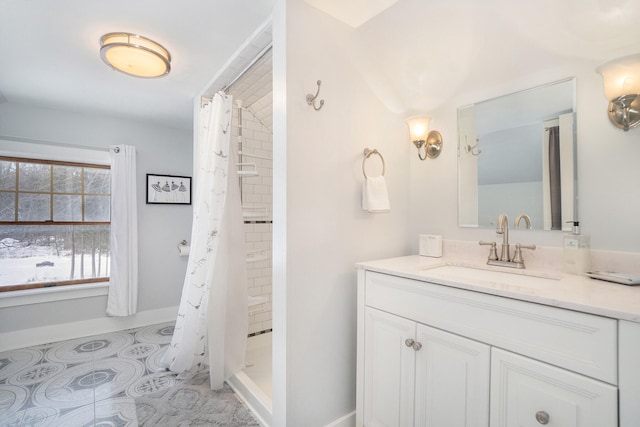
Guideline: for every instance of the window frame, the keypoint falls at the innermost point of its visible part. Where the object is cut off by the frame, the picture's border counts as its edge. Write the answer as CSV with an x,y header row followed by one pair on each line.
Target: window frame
x,y
51,222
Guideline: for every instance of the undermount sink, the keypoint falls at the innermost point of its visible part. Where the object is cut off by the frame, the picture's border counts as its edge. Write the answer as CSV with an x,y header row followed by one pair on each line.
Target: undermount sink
x,y
485,273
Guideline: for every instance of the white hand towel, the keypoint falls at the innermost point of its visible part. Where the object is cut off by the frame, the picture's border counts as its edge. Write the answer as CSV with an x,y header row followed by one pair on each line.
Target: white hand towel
x,y
375,198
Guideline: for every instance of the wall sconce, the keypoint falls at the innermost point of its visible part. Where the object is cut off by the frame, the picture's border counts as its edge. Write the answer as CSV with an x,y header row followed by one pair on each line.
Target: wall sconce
x,y
621,79
421,137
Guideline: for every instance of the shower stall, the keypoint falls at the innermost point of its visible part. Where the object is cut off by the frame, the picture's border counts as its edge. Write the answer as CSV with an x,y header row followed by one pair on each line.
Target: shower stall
x,y
248,79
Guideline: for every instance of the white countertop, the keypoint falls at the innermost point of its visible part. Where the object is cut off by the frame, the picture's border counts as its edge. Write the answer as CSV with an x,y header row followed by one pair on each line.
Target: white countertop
x,y
568,291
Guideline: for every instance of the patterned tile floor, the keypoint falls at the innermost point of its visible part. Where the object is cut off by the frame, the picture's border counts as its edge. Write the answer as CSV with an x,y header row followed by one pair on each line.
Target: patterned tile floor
x,y
86,381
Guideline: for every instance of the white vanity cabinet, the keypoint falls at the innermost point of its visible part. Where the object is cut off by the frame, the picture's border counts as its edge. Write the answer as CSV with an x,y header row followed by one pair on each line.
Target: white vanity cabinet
x,y
483,360
528,393
417,375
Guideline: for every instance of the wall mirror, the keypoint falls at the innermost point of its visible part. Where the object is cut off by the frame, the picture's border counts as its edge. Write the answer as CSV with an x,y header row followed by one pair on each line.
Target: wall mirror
x,y
517,155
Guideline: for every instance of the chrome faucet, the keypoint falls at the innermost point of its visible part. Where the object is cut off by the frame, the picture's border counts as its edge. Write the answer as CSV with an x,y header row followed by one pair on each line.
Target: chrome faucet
x,y
527,221
503,228
505,259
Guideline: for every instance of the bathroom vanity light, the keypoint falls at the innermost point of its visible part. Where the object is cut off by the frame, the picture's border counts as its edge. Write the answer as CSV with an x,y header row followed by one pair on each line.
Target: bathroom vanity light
x,y
135,55
621,79
421,137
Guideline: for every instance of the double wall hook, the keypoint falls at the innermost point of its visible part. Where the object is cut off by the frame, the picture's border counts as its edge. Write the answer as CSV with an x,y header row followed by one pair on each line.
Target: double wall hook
x,y
473,149
311,99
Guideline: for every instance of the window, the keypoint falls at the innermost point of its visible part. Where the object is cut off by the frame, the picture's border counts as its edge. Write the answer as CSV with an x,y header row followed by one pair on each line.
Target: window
x,y
54,223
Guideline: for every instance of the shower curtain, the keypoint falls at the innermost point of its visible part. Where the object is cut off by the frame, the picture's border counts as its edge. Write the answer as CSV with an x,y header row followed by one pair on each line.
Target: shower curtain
x,y
552,176
212,324
555,189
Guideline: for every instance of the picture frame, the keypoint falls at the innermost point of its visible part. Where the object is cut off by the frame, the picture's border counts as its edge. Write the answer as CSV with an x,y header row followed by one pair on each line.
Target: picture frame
x,y
168,189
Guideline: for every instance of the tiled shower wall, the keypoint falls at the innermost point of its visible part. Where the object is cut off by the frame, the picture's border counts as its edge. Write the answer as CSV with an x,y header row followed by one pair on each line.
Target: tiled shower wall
x,y
257,140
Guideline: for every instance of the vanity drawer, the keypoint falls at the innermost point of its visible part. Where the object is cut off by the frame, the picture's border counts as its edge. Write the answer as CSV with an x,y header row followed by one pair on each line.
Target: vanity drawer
x,y
579,342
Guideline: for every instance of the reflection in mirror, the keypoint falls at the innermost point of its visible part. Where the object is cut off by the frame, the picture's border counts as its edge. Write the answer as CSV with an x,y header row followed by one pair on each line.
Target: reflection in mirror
x,y
516,155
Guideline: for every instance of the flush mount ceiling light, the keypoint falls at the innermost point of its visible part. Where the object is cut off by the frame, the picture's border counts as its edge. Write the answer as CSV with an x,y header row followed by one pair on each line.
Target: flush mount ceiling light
x,y
422,137
135,55
621,78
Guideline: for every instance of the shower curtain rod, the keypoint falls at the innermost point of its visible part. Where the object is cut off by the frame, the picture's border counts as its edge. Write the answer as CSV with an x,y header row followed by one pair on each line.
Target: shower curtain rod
x,y
253,62
46,142
258,57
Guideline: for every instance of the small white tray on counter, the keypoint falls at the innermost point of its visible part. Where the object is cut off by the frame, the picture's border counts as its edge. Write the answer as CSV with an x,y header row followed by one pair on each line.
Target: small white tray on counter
x,y
616,277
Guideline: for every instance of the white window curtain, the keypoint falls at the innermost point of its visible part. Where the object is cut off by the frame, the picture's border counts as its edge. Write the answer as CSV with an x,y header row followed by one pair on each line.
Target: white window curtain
x,y
123,284
212,324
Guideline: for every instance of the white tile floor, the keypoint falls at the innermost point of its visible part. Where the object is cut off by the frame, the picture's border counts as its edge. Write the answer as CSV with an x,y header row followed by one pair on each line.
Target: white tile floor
x,y
84,382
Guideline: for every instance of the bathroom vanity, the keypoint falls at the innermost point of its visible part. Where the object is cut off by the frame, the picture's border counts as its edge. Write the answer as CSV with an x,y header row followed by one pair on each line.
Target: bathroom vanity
x,y
447,343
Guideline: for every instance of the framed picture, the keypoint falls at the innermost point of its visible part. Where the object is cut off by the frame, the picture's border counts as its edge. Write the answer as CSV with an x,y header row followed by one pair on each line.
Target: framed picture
x,y
168,189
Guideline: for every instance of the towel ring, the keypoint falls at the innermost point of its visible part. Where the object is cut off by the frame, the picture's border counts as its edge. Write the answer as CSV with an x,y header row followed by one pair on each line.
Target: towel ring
x,y
367,153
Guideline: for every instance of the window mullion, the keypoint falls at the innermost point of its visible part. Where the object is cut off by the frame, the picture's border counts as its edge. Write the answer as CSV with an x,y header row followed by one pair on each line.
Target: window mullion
x,y
82,191
51,192
15,213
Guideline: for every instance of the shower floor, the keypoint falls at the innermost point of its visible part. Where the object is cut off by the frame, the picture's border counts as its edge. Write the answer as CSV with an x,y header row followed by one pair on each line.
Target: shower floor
x,y
253,384
259,362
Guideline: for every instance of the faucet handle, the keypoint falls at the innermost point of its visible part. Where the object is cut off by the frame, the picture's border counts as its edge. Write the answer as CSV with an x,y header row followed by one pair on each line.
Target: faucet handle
x,y
493,254
532,247
517,257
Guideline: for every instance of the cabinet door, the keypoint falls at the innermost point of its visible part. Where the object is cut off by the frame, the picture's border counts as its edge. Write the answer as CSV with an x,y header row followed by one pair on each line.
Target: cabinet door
x,y
452,380
388,370
528,393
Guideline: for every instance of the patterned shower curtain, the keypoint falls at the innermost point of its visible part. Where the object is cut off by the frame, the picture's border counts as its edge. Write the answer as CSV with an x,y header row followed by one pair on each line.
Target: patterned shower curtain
x,y
212,323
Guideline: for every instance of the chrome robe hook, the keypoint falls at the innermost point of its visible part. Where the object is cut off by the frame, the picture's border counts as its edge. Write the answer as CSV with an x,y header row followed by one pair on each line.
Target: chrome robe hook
x,y
311,99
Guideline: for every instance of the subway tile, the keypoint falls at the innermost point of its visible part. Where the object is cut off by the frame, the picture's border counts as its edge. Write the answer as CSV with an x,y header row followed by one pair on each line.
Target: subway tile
x,y
255,292
263,317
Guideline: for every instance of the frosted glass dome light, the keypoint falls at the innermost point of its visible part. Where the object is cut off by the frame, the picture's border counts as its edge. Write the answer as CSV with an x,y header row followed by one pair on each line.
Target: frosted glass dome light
x,y
135,55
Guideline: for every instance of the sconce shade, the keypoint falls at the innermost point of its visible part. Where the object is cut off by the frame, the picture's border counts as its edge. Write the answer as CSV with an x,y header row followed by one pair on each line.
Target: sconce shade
x,y
621,79
135,55
418,127
422,137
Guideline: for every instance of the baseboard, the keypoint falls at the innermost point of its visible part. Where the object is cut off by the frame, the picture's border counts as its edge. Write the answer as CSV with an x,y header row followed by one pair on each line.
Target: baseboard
x,y
348,420
251,395
52,333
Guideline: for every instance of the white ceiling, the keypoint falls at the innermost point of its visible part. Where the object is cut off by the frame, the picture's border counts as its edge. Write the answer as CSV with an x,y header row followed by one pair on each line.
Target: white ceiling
x,y
49,53
418,54
414,54
352,12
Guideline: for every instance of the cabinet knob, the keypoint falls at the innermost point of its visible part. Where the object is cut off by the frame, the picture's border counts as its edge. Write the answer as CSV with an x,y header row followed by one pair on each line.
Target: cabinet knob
x,y
413,344
542,417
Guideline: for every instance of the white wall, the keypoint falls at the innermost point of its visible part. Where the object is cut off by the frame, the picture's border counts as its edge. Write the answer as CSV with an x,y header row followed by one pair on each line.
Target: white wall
x,y
608,175
320,230
159,150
